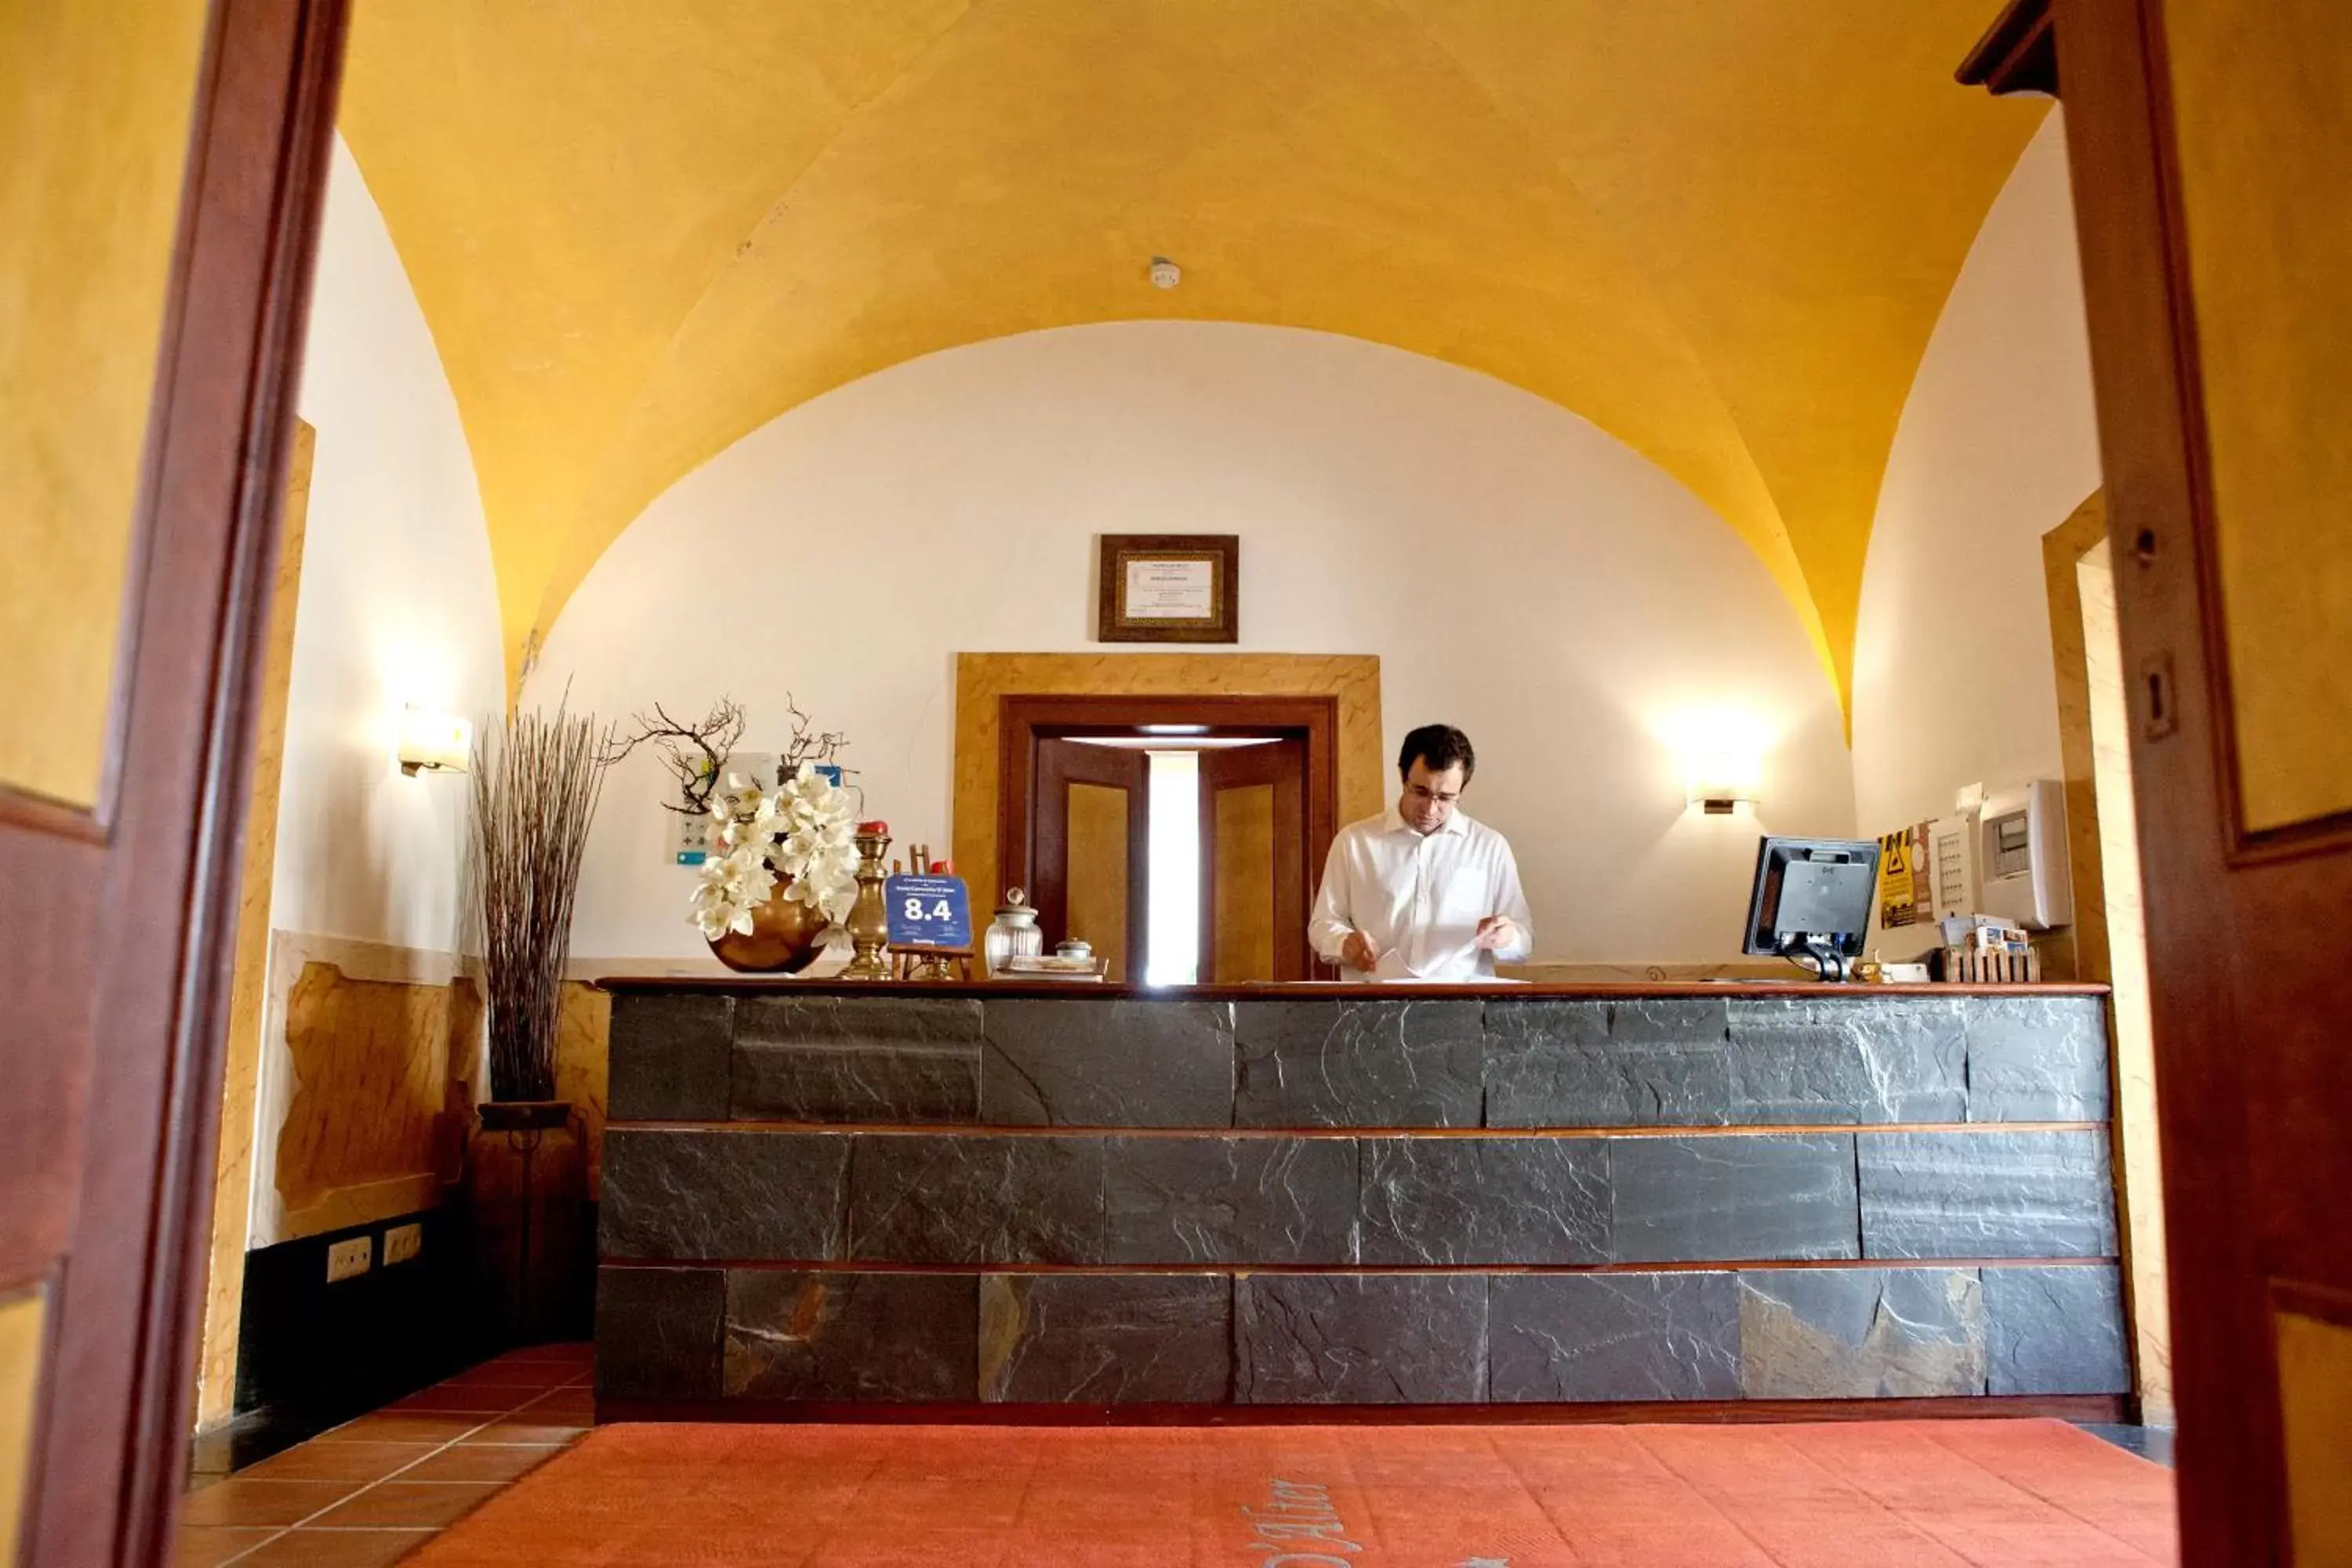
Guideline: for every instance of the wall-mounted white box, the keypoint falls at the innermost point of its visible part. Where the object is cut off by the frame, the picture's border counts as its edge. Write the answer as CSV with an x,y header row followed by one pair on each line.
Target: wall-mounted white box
x,y
2021,862
403,1242
345,1258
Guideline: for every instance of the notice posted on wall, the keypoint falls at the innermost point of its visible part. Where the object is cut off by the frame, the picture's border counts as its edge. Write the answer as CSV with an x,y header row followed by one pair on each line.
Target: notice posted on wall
x,y
1905,894
1159,589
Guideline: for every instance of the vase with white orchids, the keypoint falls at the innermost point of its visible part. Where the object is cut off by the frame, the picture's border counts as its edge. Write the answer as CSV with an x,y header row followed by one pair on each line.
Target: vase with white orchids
x,y
799,832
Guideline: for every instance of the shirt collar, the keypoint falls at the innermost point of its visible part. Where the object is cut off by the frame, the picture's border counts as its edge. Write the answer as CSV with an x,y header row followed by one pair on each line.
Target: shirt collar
x,y
1456,824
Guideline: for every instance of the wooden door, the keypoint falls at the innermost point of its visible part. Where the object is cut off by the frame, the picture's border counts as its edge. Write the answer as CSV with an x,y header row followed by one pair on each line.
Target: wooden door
x,y
1027,721
116,916
1091,852
2208,145
1253,863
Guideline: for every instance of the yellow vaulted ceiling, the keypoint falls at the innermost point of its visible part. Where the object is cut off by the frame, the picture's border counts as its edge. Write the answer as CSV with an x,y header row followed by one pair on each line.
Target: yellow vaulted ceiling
x,y
1719,229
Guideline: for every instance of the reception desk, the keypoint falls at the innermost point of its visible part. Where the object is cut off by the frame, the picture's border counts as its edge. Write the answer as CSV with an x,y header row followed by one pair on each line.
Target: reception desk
x,y
1219,1204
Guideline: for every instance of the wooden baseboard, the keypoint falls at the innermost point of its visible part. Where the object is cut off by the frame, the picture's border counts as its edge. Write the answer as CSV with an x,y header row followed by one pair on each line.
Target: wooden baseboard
x,y
2062,1407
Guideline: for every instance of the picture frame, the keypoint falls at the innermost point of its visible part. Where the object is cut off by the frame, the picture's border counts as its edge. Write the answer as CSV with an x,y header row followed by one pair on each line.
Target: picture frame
x,y
1168,587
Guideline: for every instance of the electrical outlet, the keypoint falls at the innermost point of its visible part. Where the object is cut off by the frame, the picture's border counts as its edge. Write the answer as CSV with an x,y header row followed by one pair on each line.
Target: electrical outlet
x,y
403,1242
345,1258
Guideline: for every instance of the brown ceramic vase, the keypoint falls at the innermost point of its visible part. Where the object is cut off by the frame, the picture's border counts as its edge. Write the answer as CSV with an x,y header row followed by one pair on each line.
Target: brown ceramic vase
x,y
784,939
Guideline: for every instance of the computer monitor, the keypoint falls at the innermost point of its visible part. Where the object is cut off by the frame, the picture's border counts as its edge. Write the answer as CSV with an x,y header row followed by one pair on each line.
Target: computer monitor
x,y
1812,900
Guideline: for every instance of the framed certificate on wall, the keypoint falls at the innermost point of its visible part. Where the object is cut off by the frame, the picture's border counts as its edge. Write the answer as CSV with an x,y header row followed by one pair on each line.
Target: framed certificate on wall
x,y
1168,587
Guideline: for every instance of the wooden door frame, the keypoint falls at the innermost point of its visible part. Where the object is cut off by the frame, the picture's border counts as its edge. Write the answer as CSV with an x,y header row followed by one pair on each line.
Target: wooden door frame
x,y
2135,287
2118,958
125,1237
2206,876
1023,719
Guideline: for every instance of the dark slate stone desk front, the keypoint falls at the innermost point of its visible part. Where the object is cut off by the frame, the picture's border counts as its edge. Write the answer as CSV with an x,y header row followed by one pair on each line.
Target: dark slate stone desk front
x,y
1306,1196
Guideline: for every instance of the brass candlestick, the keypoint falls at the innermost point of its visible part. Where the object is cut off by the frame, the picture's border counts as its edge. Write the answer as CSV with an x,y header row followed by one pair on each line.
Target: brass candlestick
x,y
870,917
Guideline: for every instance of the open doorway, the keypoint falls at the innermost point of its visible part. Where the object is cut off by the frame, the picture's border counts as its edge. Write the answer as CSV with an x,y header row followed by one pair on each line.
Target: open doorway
x,y
2110,928
1221,879
1180,836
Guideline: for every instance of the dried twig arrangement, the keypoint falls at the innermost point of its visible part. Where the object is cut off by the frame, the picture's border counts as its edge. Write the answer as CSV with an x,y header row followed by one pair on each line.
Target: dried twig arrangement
x,y
536,780
821,746
694,753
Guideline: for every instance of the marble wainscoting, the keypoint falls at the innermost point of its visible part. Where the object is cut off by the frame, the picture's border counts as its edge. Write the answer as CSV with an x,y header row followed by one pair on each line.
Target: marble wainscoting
x,y
357,1098
370,1066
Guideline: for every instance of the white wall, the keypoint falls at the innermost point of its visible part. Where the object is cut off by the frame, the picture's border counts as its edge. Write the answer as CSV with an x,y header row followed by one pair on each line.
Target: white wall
x,y
1998,445
397,605
1519,573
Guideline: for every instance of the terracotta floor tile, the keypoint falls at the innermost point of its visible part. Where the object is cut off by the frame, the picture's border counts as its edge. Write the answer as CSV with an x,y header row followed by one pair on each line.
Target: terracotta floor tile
x,y
403,1426
569,1394
476,1401
210,1545
522,1429
565,1404
244,1501
433,1503
577,1352
469,1462
356,1462
339,1548
1829,1496
513,1375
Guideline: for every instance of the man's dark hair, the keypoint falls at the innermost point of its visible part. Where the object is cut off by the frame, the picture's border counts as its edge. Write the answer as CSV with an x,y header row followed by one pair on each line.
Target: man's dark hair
x,y
1439,747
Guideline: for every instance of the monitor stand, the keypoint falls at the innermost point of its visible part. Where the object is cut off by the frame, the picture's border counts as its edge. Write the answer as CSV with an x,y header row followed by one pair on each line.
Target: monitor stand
x,y
1830,963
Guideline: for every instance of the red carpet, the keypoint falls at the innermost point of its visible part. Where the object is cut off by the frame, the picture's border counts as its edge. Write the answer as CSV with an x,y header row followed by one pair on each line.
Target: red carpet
x,y
1878,1493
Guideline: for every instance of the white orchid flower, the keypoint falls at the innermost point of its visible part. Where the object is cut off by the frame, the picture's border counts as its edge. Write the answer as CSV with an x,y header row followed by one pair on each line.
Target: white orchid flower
x,y
800,834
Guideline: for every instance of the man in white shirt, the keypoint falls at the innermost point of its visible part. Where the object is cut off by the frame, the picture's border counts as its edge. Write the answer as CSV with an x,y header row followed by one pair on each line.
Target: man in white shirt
x,y
1422,892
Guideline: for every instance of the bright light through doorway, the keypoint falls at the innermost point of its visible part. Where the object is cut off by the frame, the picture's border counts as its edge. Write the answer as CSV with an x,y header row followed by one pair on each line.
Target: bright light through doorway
x,y
1174,928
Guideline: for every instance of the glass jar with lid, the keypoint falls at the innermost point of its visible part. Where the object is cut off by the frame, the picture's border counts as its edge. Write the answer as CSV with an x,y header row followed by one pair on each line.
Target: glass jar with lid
x,y
1013,933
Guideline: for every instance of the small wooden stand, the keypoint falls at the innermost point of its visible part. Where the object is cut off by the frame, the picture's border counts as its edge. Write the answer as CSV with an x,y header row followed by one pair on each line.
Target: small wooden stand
x,y
1969,965
922,963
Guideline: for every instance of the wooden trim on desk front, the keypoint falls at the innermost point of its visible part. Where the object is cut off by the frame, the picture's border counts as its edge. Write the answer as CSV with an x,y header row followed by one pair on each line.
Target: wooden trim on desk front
x,y
1314,991
1069,1130
1237,1270
2099,1407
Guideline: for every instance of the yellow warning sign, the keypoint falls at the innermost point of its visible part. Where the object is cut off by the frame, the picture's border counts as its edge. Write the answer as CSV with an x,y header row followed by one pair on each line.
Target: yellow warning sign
x,y
1904,898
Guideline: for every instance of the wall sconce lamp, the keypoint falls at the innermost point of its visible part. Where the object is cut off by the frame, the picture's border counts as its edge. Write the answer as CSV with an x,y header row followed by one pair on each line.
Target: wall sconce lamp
x,y
1720,782
434,743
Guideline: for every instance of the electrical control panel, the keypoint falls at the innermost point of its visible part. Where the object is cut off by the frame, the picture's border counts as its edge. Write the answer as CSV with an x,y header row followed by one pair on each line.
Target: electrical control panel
x,y
2021,862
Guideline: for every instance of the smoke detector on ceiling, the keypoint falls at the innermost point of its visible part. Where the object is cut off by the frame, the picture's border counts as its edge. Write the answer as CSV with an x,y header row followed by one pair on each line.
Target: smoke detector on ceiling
x,y
1165,274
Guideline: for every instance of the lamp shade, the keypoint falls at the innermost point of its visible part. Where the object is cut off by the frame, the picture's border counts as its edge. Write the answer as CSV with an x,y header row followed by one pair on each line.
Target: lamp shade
x,y
1718,783
434,743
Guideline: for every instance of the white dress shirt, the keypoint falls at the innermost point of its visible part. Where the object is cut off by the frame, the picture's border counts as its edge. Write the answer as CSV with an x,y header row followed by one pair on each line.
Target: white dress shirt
x,y
1418,897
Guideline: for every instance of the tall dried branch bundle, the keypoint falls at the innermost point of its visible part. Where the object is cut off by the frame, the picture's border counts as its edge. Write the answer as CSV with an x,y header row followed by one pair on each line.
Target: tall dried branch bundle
x,y
536,780
694,753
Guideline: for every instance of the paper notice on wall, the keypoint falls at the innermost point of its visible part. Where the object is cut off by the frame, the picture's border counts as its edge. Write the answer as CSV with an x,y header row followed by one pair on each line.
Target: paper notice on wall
x,y
1906,896
1182,589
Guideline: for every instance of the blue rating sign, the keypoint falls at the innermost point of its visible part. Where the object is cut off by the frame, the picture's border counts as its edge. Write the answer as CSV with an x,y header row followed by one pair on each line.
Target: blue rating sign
x,y
929,911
